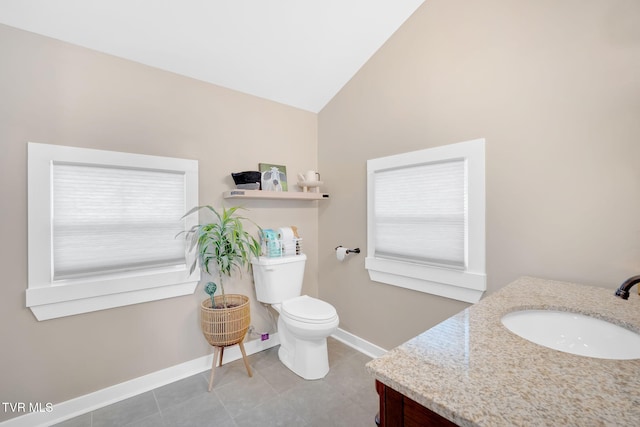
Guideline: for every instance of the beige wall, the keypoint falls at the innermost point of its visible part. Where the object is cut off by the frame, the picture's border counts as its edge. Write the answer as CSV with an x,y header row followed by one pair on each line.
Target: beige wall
x,y
56,93
553,86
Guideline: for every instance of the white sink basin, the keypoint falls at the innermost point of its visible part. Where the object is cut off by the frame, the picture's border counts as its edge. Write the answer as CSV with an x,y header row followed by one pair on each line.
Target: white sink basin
x,y
574,333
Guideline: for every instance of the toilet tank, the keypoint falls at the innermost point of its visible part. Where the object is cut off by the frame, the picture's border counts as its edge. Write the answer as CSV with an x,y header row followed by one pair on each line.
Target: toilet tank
x,y
278,279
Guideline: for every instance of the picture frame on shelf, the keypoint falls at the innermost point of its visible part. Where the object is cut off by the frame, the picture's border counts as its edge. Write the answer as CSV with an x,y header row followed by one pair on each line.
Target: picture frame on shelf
x,y
274,177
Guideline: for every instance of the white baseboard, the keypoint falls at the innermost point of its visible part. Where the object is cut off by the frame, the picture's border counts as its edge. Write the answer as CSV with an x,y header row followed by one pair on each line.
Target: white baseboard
x,y
107,396
362,345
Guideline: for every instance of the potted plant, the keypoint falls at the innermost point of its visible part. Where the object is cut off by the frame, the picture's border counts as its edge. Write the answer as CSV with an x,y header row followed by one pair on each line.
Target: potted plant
x,y
225,243
223,246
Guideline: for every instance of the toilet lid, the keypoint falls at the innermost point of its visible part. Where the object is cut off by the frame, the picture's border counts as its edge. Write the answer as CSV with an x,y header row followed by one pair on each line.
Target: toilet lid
x,y
307,309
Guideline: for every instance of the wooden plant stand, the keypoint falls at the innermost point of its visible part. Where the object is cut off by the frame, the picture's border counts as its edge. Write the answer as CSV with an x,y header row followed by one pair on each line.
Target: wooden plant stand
x,y
224,327
220,350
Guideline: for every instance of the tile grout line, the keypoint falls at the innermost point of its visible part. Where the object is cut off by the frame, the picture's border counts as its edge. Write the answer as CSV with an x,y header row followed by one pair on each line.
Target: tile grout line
x,y
155,398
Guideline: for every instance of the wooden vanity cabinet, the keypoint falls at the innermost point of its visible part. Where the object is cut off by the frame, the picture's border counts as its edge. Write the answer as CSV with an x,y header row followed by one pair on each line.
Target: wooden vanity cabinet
x,y
397,410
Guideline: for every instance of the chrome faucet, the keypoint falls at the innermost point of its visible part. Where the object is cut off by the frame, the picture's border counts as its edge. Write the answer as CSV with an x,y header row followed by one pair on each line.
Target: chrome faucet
x,y
623,290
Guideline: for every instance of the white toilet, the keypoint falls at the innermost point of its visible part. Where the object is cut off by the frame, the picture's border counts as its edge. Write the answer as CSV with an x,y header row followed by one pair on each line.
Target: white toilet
x,y
304,322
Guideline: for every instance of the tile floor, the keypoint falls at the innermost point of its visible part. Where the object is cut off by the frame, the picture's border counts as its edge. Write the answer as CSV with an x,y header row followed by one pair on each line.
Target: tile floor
x,y
274,396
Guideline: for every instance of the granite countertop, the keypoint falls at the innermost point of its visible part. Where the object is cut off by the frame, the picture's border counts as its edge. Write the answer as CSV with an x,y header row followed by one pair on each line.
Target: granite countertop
x,y
473,371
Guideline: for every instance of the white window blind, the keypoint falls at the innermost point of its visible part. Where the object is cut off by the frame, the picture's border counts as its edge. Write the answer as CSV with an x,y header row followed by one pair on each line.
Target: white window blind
x,y
426,220
103,226
115,219
420,213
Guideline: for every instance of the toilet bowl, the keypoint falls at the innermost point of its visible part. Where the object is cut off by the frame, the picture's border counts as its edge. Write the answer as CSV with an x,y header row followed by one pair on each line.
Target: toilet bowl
x,y
304,325
304,322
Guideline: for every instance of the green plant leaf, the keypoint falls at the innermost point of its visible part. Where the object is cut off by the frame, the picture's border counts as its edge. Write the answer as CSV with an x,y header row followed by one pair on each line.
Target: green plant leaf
x,y
223,244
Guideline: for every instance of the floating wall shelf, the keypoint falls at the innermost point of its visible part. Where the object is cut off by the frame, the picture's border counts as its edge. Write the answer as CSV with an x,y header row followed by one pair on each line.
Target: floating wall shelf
x,y
273,195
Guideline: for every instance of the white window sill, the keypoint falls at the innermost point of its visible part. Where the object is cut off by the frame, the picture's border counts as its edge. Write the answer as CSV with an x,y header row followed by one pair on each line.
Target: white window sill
x,y
459,285
70,297
53,302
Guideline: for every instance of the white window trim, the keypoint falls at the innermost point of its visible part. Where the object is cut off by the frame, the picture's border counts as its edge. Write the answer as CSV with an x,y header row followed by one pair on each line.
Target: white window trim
x,y
48,299
465,285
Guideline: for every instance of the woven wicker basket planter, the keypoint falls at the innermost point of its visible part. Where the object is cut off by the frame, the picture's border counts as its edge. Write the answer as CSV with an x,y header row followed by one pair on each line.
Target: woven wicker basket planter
x,y
223,327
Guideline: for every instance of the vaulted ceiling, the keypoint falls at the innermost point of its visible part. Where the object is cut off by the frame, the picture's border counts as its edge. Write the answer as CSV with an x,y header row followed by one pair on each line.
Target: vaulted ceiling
x,y
296,52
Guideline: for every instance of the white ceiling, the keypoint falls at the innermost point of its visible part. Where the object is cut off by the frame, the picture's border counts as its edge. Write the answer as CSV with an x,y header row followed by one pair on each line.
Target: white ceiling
x,y
296,52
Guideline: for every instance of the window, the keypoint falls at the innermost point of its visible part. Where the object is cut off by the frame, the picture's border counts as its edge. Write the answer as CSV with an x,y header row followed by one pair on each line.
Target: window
x,y
103,226
426,220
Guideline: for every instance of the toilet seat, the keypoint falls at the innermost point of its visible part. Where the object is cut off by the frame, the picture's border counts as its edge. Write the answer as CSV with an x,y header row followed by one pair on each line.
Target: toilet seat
x,y
307,309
